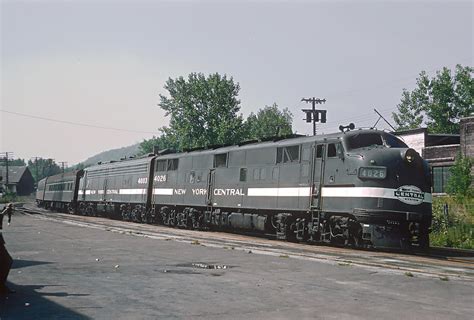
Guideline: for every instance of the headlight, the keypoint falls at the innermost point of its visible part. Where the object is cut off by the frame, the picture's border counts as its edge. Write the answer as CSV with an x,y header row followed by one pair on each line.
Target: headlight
x,y
372,172
409,155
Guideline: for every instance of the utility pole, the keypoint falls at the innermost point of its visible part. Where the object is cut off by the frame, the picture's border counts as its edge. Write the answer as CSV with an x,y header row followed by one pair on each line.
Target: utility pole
x,y
50,163
5,157
313,115
35,161
63,163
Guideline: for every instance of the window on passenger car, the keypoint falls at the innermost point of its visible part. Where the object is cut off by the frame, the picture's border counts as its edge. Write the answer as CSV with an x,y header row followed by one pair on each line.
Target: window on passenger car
x,y
192,177
288,154
161,165
173,164
220,160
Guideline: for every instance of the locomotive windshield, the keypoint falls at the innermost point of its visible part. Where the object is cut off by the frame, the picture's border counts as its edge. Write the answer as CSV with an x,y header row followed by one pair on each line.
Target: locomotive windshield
x,y
363,140
394,142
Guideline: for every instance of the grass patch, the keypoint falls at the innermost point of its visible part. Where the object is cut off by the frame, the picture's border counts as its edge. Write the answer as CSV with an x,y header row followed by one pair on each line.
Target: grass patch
x,y
409,274
196,242
284,256
456,228
444,278
8,197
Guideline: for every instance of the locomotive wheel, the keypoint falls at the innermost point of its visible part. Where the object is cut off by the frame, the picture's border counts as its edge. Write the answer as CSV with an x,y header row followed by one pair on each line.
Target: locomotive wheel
x,y
136,215
90,211
144,216
172,218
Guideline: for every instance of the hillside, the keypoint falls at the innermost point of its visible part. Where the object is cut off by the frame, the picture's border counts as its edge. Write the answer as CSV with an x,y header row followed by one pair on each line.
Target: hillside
x,y
114,154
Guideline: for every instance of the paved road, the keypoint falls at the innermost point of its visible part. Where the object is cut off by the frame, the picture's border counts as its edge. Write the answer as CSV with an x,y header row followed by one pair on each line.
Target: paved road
x,y
65,271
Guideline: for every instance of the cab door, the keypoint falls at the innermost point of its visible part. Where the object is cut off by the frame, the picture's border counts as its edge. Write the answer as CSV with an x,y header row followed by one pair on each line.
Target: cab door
x,y
210,187
317,175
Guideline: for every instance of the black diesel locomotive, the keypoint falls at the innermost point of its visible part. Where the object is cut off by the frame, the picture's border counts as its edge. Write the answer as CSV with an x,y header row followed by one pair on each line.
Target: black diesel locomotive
x,y
359,188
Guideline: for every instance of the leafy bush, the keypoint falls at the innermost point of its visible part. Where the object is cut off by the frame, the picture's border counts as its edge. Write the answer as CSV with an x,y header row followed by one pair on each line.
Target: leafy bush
x,y
456,228
8,197
460,182
457,236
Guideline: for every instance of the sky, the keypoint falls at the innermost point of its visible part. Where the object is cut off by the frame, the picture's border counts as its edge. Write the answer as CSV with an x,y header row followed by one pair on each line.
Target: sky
x,y
104,63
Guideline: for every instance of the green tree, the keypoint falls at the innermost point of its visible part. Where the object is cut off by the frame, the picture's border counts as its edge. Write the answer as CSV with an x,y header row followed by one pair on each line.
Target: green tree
x,y
41,168
269,122
439,101
79,166
161,142
203,111
13,162
460,182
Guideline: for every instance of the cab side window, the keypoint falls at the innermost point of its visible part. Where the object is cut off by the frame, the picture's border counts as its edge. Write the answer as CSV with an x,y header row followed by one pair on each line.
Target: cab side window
x,y
332,150
319,151
335,150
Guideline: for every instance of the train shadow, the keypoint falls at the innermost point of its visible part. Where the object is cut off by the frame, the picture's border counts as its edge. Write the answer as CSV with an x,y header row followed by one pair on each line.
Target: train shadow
x,y
18,264
28,302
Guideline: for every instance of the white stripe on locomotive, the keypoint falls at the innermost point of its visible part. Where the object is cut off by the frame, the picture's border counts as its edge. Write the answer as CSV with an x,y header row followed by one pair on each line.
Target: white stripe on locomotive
x,y
365,192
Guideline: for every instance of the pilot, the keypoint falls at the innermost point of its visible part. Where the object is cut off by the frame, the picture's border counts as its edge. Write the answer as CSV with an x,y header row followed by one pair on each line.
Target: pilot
x,y
5,258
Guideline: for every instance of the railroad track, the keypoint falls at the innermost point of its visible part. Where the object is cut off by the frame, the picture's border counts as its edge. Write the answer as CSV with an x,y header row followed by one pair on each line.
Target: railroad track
x,y
444,263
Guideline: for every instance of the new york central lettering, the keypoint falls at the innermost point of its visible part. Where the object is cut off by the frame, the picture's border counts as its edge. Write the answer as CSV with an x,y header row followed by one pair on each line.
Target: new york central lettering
x,y
228,192
410,194
199,192
180,192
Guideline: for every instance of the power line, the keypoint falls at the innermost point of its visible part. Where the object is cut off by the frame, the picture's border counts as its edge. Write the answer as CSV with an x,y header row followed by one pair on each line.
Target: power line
x,y
74,123
63,164
357,118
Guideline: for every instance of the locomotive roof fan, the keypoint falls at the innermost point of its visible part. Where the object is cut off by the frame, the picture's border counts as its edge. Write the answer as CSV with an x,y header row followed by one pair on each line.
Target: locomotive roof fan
x,y
350,127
